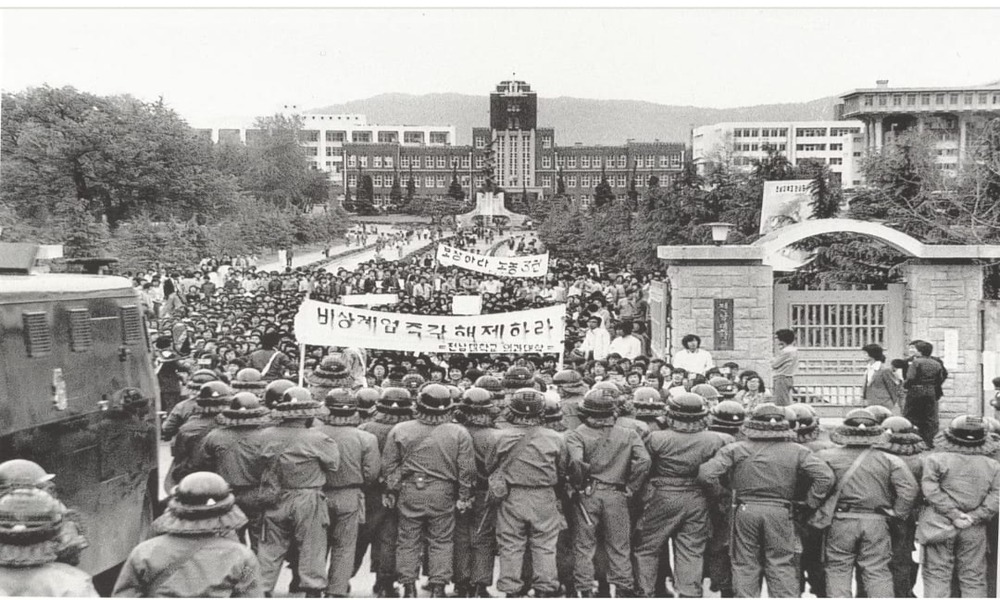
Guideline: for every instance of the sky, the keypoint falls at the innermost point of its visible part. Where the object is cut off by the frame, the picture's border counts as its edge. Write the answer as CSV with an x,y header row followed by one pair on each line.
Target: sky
x,y
210,64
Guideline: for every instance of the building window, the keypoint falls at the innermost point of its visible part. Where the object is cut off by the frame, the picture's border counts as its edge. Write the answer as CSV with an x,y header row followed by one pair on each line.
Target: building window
x,y
839,131
836,147
810,132
352,160
404,161
441,162
911,99
621,181
675,160
364,162
968,98
439,137
982,98
441,181
881,100
311,151
584,180
336,136
388,162
465,161
782,147
925,99
546,162
377,162
622,161
546,181
480,141
953,98
429,162
479,161
836,161
560,161
664,161
480,181
309,135
939,98
429,181
331,151
546,141
869,101
571,181
377,180
352,180
572,162
388,137
810,147
897,100
361,137
584,162
413,137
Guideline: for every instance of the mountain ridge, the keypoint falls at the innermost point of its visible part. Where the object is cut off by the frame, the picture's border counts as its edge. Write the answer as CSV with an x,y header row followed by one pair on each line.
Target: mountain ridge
x,y
576,120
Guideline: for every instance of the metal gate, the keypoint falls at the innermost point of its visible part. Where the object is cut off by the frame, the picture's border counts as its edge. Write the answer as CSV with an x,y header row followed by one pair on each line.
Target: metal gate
x,y
831,327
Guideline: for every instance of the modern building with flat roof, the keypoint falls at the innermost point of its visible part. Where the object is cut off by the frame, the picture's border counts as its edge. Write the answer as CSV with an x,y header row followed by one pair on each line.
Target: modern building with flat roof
x,y
955,116
837,144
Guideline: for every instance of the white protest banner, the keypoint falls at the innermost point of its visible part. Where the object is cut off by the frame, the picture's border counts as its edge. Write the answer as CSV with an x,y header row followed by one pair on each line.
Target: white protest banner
x,y
368,299
538,330
536,265
466,305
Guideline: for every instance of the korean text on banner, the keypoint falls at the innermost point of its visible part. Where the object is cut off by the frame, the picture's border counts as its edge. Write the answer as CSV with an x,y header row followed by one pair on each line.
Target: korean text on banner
x,y
538,330
536,265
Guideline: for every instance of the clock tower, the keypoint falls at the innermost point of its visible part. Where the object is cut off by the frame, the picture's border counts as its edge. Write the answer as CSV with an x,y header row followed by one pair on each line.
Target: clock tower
x,y
513,124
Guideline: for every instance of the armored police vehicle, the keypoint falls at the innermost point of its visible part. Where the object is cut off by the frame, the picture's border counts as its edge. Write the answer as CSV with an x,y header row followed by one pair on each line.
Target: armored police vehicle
x,y
78,395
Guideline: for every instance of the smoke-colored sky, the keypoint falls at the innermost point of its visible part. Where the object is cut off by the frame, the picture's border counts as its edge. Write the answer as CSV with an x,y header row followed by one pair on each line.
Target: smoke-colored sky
x,y
208,64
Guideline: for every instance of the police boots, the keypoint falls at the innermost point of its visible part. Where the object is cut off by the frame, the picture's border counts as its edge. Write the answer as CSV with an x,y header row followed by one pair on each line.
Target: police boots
x,y
437,590
410,590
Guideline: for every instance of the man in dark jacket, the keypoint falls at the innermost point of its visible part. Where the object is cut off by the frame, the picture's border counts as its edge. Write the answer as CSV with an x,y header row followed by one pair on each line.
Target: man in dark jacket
x,y
764,471
924,377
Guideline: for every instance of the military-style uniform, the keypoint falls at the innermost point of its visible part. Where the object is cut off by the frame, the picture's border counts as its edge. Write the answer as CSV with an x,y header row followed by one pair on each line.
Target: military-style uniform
x,y
905,442
299,461
676,506
187,449
608,463
429,465
394,407
763,472
859,534
344,490
195,554
960,478
812,570
725,421
529,518
233,450
571,388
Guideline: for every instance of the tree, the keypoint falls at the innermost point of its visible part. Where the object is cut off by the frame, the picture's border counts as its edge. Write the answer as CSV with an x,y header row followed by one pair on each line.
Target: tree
x,y
603,195
365,203
411,187
348,201
633,193
560,184
455,190
277,169
396,193
774,166
489,169
117,155
437,210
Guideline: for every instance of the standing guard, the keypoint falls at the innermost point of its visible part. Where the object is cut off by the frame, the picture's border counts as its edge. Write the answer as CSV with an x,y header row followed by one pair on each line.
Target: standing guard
x,y
763,472
608,464
429,469
676,506
344,489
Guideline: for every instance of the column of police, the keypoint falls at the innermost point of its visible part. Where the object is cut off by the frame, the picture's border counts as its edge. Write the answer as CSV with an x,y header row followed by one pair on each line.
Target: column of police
x,y
578,491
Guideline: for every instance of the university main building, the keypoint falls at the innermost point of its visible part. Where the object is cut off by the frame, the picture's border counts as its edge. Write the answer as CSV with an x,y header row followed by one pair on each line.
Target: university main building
x,y
526,157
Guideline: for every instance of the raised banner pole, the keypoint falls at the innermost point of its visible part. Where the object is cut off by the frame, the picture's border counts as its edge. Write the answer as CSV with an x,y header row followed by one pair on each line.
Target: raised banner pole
x,y
302,364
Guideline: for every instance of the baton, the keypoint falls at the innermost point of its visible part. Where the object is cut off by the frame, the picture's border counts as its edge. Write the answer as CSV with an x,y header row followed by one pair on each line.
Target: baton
x,y
486,515
583,510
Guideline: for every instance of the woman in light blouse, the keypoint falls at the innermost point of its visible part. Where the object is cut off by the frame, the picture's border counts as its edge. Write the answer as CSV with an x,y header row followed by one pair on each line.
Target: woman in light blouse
x,y
754,394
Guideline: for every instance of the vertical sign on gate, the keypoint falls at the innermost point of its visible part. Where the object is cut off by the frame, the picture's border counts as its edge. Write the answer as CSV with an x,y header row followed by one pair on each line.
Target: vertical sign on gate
x,y
722,329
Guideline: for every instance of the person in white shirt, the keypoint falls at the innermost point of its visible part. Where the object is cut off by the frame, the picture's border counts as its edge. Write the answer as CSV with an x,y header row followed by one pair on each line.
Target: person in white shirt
x,y
692,358
597,341
624,343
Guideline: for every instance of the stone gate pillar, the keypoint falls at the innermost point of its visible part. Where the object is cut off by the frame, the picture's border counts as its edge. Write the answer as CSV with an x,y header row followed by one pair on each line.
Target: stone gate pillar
x,y
725,296
941,306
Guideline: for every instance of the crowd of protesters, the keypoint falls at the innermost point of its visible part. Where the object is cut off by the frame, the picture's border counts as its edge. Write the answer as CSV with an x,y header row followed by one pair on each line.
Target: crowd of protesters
x,y
611,473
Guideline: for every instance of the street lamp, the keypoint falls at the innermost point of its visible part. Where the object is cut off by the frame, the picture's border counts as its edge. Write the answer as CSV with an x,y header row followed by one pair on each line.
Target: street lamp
x,y
720,232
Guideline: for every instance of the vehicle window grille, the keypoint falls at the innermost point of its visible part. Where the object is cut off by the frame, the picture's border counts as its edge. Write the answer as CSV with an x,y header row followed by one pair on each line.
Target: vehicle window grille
x,y
37,334
131,325
81,331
